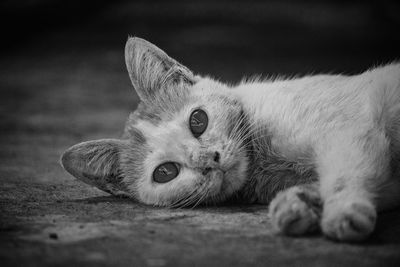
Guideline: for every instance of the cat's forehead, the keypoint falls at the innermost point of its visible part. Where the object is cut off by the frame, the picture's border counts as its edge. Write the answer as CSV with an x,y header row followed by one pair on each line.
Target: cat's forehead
x,y
157,125
166,136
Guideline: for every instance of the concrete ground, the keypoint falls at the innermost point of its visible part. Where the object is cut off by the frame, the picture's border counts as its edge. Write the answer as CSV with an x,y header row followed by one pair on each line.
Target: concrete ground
x,y
66,82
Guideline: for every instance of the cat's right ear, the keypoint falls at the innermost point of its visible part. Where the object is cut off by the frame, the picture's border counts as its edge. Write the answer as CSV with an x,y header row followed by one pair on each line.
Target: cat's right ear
x,y
151,70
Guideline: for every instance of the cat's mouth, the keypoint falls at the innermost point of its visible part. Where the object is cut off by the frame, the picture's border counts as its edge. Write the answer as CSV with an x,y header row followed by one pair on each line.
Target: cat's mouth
x,y
224,181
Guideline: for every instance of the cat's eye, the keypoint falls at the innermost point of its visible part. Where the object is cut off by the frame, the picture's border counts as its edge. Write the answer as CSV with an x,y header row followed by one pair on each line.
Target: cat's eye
x,y
198,122
166,172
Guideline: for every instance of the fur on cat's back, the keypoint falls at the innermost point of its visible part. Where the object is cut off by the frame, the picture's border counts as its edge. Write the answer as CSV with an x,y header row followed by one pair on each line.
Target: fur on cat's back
x,y
322,150
301,117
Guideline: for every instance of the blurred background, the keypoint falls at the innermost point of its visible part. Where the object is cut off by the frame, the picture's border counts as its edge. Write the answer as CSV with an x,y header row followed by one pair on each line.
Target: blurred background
x,y
63,77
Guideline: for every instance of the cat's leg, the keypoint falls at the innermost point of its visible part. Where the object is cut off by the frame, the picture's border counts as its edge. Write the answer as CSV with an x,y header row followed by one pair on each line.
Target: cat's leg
x,y
296,210
351,170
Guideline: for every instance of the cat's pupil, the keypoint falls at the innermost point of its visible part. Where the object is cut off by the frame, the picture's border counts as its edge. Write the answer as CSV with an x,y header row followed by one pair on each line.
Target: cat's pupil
x,y
198,122
166,172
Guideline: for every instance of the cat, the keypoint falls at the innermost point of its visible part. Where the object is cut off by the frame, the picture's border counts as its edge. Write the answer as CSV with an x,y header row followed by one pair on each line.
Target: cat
x,y
321,150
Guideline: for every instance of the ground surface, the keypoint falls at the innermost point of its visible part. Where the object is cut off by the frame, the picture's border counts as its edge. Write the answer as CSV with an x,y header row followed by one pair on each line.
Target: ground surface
x,y
65,82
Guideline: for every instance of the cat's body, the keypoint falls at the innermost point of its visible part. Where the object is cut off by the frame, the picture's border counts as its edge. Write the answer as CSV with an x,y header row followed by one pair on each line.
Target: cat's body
x,y
333,140
299,119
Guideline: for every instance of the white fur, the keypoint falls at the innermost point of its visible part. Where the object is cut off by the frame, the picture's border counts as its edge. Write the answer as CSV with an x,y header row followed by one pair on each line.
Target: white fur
x,y
348,128
342,130
343,110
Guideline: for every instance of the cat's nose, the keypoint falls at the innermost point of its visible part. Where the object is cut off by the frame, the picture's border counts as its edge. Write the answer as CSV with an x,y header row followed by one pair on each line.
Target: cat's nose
x,y
216,157
206,160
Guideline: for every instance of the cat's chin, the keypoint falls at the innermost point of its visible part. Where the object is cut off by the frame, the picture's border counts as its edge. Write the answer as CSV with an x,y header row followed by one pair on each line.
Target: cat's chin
x,y
225,183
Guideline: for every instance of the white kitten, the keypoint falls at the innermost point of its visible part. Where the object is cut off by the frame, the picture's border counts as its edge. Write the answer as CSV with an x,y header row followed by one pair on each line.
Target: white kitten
x,y
332,140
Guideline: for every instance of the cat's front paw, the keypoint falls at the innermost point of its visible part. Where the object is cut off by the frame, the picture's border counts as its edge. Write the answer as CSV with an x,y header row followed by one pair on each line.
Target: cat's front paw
x,y
352,221
296,211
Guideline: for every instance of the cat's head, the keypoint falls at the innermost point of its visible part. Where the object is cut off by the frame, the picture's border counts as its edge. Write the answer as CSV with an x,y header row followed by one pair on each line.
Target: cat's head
x,y
184,144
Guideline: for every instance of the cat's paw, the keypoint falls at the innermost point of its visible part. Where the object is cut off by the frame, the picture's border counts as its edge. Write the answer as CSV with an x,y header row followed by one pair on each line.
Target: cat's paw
x,y
295,211
351,221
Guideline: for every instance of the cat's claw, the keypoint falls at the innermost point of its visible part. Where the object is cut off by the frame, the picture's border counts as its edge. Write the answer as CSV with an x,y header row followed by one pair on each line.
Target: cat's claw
x,y
349,222
295,212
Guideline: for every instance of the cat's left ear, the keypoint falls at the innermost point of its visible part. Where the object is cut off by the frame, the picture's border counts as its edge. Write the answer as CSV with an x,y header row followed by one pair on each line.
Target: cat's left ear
x,y
152,71
97,163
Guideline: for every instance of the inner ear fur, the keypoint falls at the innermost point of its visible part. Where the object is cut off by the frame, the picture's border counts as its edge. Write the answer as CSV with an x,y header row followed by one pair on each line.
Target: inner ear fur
x,y
97,163
151,70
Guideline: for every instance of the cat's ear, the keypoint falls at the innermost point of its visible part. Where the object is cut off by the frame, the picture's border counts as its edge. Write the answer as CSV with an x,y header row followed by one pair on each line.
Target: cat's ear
x,y
151,70
97,163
